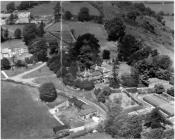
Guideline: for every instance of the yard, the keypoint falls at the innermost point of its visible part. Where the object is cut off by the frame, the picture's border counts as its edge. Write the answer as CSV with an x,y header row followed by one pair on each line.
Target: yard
x,y
22,116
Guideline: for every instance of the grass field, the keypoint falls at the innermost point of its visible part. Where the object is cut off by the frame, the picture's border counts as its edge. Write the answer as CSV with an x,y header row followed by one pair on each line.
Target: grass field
x,y
96,136
19,70
22,116
81,28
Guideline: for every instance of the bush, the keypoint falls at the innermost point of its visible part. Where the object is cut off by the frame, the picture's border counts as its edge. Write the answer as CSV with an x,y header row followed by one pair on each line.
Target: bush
x,y
68,15
159,88
84,14
17,33
47,92
171,91
163,74
5,64
20,63
106,54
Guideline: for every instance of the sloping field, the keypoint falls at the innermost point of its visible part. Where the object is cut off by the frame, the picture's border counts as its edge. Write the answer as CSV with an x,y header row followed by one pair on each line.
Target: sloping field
x,y
43,9
81,28
22,116
74,7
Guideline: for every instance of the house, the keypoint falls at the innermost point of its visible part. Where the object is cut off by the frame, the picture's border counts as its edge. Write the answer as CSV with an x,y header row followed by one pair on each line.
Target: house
x,y
23,17
87,113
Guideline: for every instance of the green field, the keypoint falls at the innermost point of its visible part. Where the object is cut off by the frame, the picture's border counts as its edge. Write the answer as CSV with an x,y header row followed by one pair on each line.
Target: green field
x,y
22,116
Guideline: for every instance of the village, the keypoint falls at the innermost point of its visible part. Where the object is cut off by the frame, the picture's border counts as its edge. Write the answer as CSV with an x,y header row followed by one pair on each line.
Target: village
x,y
78,76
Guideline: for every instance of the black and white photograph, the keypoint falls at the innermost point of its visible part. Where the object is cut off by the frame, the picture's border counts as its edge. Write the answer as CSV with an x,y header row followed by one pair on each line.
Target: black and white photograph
x,y
87,69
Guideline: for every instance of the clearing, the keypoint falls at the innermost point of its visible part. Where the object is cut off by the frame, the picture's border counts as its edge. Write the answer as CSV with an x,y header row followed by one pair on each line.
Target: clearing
x,y
22,116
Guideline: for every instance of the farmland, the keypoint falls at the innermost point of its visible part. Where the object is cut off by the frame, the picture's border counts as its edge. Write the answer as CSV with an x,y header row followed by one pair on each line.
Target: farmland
x,y
24,117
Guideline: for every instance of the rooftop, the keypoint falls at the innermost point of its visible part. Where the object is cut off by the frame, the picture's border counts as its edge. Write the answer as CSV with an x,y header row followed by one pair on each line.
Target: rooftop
x,y
87,111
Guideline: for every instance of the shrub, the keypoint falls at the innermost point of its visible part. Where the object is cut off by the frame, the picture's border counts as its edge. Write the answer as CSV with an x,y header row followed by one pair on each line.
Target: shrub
x,y
163,74
84,14
171,91
20,63
106,54
47,92
68,15
159,88
17,33
5,64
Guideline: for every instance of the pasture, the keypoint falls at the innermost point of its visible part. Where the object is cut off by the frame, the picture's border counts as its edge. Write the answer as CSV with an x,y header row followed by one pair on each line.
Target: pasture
x,y
22,116
74,7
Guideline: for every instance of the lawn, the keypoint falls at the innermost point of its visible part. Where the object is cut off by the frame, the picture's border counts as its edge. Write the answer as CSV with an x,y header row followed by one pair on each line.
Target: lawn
x,y
13,44
81,28
22,116
17,71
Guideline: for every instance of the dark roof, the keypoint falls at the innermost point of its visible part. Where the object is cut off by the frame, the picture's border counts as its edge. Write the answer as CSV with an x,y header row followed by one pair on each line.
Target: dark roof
x,y
76,102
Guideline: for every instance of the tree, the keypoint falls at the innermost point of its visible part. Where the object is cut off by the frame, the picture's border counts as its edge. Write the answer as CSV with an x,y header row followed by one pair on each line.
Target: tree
x,y
154,53
41,29
154,119
57,9
163,61
159,88
5,64
6,34
29,33
48,92
115,29
85,51
10,7
139,55
11,19
68,15
106,54
114,81
39,49
20,63
127,47
171,91
156,133
84,14
17,33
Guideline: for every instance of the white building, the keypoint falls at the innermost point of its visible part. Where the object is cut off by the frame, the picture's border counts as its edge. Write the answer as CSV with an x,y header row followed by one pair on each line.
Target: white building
x,y
23,17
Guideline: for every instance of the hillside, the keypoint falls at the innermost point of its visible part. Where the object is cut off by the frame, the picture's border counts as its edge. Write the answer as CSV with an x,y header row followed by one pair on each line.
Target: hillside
x,y
162,39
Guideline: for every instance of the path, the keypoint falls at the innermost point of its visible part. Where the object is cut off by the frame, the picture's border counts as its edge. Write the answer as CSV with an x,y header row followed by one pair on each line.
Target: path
x,y
19,76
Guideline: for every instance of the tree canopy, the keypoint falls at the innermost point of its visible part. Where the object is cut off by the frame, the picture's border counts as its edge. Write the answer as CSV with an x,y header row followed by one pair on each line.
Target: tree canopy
x,y
57,10
17,33
10,7
115,29
5,64
48,92
84,14
39,49
85,50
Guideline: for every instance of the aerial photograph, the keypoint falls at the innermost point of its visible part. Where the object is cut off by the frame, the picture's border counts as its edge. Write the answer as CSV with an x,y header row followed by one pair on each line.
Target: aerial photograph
x,y
87,69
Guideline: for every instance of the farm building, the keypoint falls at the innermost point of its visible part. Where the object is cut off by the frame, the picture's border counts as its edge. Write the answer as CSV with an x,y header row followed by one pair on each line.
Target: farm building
x,y
161,103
